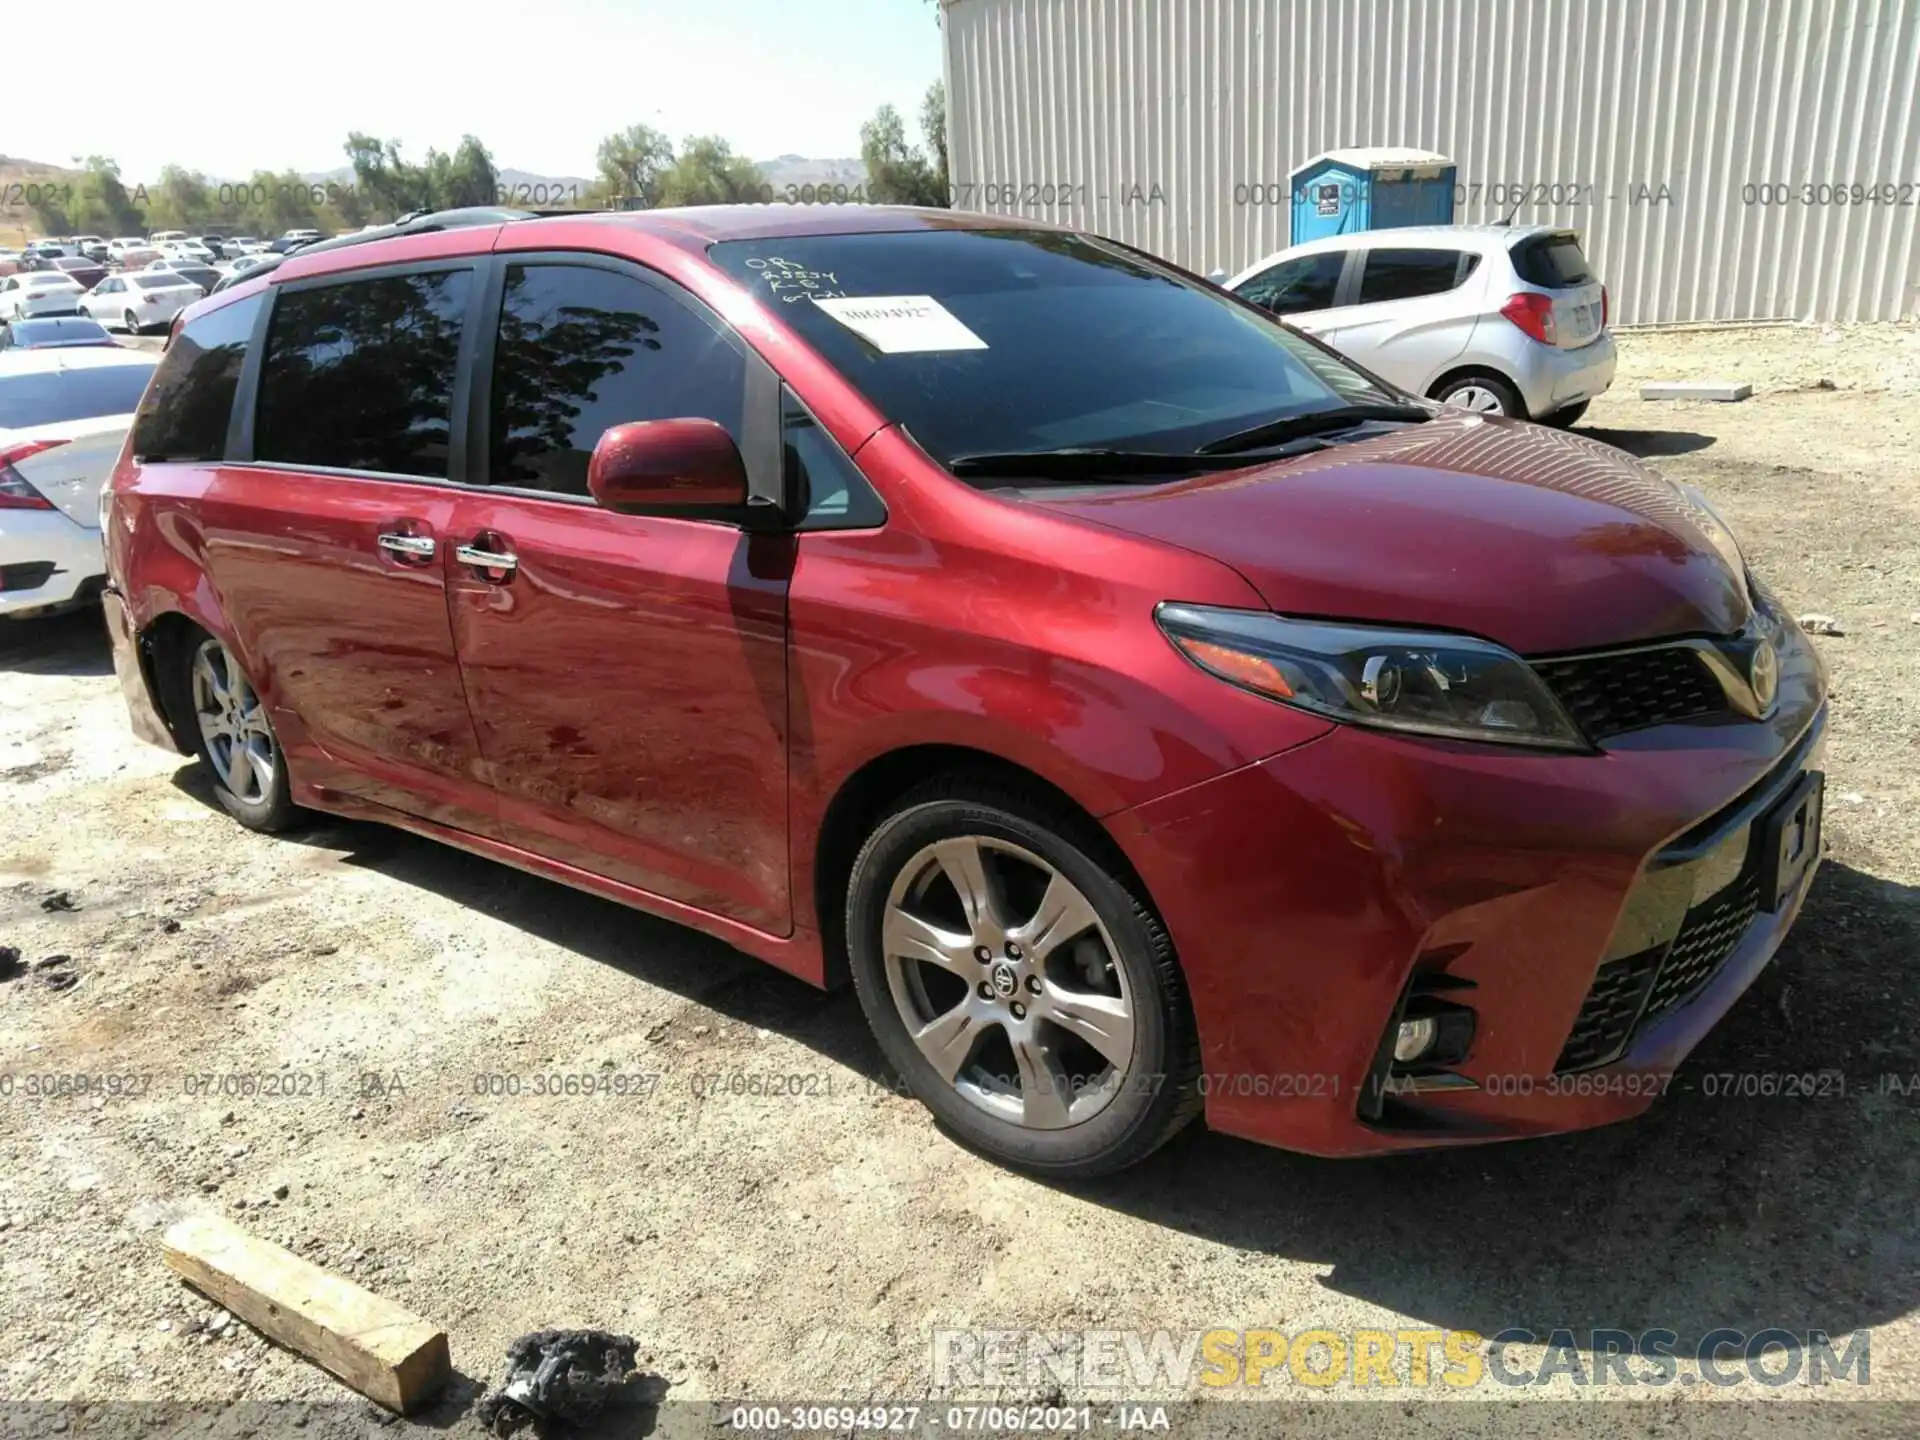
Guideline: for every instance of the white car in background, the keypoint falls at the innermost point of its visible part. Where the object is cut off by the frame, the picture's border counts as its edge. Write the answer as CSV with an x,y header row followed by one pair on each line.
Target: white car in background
x,y
191,250
1506,320
64,416
140,300
130,251
27,293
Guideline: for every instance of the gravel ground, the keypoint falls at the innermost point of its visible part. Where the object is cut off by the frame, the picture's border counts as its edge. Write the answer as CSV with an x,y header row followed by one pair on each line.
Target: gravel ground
x,y
808,1246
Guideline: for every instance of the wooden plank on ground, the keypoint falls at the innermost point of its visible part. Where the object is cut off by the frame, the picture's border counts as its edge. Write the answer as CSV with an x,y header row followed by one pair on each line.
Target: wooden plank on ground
x,y
387,1353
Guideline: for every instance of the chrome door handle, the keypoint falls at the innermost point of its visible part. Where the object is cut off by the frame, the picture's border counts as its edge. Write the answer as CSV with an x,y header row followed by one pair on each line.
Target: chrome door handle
x,y
486,559
416,547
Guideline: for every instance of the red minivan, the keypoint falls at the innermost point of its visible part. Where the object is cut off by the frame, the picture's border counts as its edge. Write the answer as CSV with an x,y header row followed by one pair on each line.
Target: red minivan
x,y
1148,710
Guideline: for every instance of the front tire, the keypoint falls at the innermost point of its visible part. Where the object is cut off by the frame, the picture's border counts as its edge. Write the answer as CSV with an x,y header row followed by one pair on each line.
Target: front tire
x,y
1070,1049
132,322
236,740
1482,394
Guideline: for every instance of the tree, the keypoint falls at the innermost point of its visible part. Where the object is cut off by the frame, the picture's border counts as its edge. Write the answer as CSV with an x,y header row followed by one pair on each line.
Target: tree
x,y
100,204
933,126
466,177
709,173
633,162
387,185
897,173
180,200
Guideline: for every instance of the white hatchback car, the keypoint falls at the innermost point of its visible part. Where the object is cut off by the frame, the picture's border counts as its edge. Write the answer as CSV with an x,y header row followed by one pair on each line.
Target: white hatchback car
x,y
64,415
1504,319
138,300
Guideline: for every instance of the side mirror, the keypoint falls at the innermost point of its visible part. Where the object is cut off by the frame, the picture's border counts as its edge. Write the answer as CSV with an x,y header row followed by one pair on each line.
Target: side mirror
x,y
686,468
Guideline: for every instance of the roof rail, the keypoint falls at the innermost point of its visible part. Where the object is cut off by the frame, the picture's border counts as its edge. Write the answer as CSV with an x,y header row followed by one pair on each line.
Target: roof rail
x,y
421,222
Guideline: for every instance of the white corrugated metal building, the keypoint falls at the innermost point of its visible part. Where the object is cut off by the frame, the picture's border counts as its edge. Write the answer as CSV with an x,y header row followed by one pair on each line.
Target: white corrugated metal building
x,y
1724,159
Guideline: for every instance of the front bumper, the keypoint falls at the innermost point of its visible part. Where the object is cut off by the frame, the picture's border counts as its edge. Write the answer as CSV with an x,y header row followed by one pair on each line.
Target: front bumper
x,y
1308,894
46,561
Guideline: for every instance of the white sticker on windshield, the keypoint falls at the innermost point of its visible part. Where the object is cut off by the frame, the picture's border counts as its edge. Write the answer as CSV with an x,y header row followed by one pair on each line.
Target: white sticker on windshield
x,y
902,324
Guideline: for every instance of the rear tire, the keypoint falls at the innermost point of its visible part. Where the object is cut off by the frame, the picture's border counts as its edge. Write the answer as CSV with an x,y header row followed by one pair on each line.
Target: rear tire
x,y
1483,394
1567,416
1070,1051
234,736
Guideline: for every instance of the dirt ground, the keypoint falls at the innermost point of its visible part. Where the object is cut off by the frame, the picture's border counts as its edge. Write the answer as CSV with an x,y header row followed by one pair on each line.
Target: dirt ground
x,y
788,1247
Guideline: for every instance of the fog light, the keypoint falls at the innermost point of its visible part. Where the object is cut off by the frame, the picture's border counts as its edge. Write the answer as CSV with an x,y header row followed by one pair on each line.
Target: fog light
x,y
1415,1038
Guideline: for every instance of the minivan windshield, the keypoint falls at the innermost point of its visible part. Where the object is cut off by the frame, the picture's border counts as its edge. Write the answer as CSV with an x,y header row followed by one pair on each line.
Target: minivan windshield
x,y
997,342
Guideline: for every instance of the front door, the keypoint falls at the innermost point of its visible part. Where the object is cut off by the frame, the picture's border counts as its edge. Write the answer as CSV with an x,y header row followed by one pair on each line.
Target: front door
x,y
327,547
627,674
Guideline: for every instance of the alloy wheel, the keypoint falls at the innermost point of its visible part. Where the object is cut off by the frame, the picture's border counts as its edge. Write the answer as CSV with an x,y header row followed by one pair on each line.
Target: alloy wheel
x,y
233,723
1007,982
133,323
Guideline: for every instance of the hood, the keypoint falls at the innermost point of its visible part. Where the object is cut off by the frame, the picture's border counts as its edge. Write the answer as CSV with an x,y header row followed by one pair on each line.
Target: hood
x,y
1539,539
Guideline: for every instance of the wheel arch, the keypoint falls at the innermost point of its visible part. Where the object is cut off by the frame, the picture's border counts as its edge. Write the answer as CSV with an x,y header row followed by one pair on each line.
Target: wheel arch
x,y
878,785
1477,370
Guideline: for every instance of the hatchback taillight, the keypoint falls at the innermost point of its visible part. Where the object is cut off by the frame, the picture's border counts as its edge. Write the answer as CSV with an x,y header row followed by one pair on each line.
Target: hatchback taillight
x,y
15,492
1533,313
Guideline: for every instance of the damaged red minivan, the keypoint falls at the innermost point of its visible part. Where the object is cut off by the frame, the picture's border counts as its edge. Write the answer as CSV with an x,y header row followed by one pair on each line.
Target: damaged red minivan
x,y
1149,711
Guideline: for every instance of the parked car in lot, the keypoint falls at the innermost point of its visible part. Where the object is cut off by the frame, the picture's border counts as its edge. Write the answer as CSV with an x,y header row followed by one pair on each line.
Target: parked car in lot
x,y
189,250
1149,710
9,262
293,240
140,300
83,272
214,245
63,418
92,247
39,292
258,263
61,332
1501,319
205,276
130,252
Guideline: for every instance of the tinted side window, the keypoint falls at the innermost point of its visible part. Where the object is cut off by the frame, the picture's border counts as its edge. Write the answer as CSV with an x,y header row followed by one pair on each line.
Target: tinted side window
x,y
1307,283
360,375
581,350
838,495
1409,274
184,415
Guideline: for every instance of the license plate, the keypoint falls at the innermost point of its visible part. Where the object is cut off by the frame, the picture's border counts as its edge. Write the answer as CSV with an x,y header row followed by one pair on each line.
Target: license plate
x,y
1790,841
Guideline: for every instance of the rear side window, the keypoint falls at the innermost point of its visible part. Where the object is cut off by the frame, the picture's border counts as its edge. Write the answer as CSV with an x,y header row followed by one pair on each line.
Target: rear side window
x,y
185,413
581,350
1409,274
51,396
1553,262
359,375
1306,283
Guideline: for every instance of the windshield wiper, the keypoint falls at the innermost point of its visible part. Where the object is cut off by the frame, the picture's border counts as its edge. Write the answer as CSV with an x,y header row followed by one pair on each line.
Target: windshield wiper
x,y
1092,463
1316,422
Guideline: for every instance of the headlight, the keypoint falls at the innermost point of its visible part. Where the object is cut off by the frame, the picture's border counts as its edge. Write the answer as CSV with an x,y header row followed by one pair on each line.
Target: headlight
x,y
1411,680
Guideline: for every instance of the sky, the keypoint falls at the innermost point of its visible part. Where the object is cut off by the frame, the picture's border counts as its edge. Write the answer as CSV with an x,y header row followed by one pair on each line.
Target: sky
x,y
279,84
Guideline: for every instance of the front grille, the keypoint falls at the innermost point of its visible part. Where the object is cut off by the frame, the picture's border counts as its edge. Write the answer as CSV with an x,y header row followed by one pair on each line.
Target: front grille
x,y
1606,1019
1628,994
1710,934
1611,694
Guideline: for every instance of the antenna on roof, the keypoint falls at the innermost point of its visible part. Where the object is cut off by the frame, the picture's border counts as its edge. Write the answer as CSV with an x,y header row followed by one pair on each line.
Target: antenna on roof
x,y
1516,208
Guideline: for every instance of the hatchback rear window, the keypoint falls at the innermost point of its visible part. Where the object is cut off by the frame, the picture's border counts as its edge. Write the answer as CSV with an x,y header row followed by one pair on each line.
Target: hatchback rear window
x,y
49,397
185,413
1553,262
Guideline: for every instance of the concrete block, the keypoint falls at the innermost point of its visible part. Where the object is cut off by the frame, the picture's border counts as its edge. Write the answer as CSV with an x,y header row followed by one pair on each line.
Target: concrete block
x,y
1695,390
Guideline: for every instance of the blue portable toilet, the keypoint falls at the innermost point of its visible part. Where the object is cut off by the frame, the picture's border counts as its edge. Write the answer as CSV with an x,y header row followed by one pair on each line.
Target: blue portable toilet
x,y
1377,188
